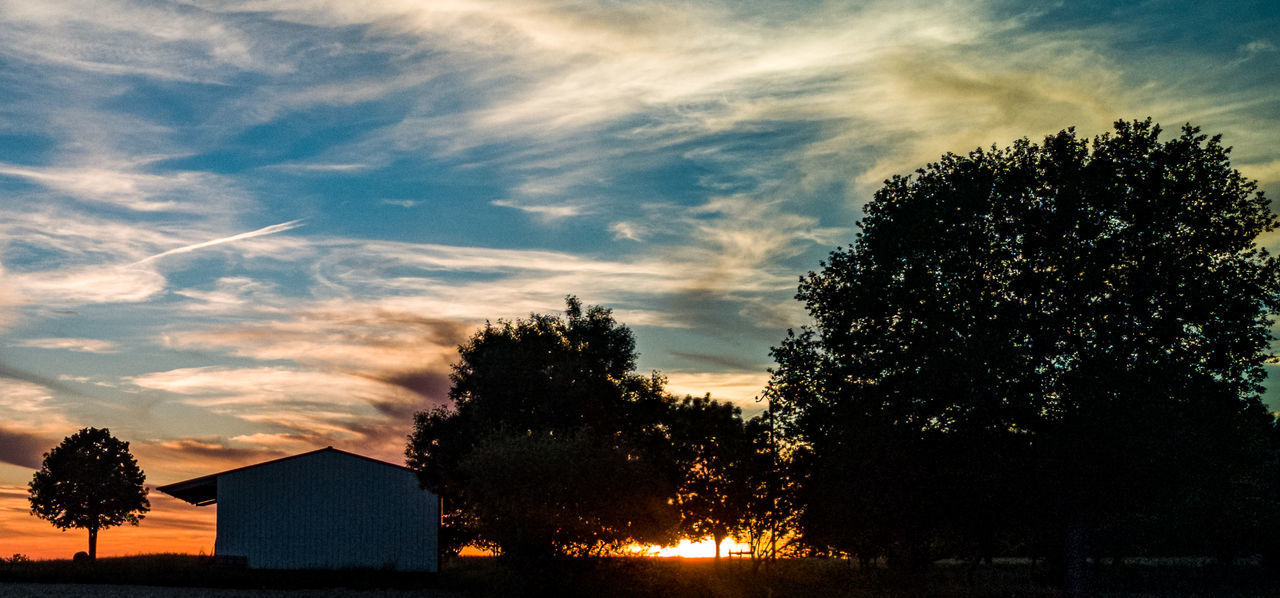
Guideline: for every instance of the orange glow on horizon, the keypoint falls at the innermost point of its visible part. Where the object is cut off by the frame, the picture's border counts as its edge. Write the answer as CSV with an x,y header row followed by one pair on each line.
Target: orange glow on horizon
x,y
173,526
703,549
170,526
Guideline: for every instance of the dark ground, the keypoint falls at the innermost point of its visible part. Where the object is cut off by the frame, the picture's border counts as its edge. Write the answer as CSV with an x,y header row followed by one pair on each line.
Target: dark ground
x,y
192,576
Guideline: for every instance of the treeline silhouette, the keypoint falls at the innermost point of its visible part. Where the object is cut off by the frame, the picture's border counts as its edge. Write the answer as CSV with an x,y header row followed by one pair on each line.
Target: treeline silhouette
x,y
1049,350
554,445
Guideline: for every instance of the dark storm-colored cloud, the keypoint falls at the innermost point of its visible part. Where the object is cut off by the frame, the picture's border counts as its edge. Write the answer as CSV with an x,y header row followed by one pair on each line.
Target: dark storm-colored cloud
x,y
433,385
718,360
218,452
14,373
21,448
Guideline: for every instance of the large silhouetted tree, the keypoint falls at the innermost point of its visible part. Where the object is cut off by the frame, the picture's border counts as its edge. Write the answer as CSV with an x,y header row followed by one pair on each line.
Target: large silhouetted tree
x,y
1067,337
549,422
89,481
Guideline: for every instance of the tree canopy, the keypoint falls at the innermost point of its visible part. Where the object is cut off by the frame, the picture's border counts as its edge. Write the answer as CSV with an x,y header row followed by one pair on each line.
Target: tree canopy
x,y
90,481
548,417
713,451
1058,339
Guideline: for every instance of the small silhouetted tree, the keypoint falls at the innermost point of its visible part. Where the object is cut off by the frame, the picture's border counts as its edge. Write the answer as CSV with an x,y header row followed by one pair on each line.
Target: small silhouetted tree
x,y
90,482
1068,336
711,448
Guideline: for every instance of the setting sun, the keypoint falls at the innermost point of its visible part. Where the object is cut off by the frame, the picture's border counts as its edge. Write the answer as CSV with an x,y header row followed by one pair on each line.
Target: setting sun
x,y
699,550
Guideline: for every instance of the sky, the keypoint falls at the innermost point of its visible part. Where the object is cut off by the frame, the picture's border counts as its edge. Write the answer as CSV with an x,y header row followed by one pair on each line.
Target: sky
x,y
235,230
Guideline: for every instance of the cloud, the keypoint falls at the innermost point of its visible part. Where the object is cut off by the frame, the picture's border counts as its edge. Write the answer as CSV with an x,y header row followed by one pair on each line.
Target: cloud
x,y
236,296
318,408
371,327
723,146
86,239
126,187
403,203
10,300
1266,173
545,211
24,388
176,459
89,284
391,347
627,230
82,345
579,95
90,260
740,388
33,422
717,361
207,450
123,38
22,448
320,168
1256,48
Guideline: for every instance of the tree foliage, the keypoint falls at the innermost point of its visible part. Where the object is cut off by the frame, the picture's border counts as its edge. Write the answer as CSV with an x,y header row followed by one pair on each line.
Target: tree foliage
x,y
548,413
1055,339
712,450
768,475
90,481
544,492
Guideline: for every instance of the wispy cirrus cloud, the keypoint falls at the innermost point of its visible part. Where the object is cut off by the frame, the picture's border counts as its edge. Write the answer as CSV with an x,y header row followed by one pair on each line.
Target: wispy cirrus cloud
x,y
33,421
467,160
357,339
237,296
67,287
124,188
160,40
197,456
107,261
740,388
81,345
325,408
922,78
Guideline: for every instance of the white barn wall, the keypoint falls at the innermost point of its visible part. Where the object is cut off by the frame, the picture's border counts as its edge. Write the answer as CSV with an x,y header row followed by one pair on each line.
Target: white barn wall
x,y
327,510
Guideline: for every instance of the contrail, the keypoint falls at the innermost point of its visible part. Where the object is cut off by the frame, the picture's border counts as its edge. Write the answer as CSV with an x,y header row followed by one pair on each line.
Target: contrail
x,y
269,230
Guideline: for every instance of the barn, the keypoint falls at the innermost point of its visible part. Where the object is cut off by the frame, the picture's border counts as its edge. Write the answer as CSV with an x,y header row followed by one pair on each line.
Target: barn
x,y
326,509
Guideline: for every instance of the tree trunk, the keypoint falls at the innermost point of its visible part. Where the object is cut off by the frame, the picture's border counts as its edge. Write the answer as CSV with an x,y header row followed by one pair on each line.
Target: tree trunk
x,y
93,544
1076,577
718,537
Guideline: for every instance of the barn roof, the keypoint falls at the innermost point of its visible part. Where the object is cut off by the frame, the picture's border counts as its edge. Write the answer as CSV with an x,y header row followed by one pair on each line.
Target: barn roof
x,y
203,490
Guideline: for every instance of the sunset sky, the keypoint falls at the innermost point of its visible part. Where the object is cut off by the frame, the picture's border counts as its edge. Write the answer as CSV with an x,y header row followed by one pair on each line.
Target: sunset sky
x,y
235,230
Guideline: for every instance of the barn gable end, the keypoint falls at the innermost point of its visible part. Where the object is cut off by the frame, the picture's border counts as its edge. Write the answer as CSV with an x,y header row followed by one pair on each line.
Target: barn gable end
x,y
326,509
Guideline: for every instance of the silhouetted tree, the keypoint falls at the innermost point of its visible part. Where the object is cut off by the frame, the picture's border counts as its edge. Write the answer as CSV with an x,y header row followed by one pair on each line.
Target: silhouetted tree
x,y
89,481
1070,333
769,472
535,495
550,386
711,449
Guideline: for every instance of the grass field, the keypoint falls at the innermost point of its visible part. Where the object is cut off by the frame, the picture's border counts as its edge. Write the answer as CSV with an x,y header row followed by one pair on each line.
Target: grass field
x,y
168,575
